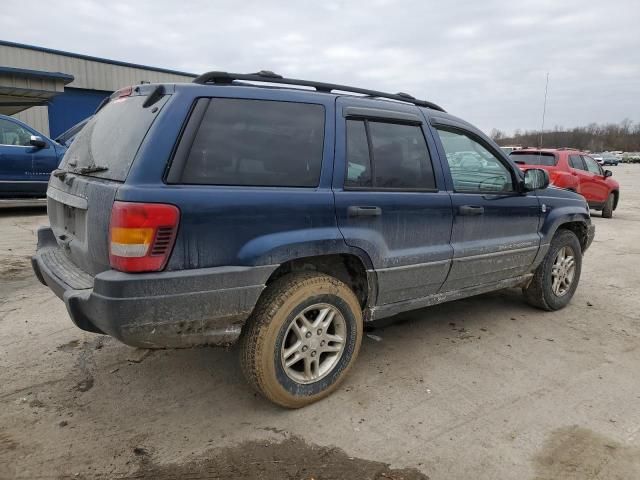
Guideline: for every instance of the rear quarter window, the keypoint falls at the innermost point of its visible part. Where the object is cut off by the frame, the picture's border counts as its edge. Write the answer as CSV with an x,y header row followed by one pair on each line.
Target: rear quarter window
x,y
257,143
111,138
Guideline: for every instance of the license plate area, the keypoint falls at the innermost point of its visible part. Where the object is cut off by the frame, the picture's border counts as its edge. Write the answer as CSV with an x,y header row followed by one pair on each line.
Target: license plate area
x,y
69,219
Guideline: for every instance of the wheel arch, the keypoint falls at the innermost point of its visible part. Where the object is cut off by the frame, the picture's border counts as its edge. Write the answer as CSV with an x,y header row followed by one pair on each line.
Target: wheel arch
x,y
579,228
349,267
616,197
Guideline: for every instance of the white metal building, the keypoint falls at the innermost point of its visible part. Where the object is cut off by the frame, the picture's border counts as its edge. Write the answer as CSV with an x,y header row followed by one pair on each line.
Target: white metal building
x,y
52,90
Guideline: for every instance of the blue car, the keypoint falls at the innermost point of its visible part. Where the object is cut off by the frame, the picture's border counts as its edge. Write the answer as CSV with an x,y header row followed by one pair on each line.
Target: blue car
x,y
27,159
285,218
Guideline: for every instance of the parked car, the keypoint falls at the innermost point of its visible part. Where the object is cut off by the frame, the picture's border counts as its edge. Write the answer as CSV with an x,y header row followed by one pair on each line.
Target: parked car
x,y
575,171
609,159
509,149
283,218
67,137
597,157
27,158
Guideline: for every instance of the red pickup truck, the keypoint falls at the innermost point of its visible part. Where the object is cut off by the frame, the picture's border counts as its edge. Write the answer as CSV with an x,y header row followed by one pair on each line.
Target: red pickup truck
x,y
574,170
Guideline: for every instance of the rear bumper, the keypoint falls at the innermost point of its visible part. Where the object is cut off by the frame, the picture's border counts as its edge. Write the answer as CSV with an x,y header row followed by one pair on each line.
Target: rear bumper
x,y
206,306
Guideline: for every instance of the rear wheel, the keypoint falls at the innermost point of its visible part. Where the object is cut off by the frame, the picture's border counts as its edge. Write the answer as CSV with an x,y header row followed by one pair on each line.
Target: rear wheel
x,y
556,279
302,338
607,211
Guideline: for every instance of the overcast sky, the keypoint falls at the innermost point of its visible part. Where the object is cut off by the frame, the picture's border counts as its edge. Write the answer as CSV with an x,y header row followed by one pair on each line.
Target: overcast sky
x,y
484,60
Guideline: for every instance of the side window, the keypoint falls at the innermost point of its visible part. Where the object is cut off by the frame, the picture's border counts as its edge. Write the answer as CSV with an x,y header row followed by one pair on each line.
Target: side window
x,y
257,143
474,168
575,161
592,165
398,159
358,159
13,134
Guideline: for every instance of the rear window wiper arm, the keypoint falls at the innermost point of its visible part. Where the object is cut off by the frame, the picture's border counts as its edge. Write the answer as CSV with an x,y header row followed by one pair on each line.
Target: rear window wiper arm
x,y
92,169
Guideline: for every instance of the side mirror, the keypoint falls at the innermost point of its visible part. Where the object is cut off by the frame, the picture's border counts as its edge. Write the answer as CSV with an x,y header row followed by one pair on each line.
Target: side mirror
x,y
607,173
535,179
37,141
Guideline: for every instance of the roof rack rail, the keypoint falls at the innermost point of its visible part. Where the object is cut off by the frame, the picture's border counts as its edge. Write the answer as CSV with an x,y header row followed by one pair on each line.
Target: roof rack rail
x,y
226,78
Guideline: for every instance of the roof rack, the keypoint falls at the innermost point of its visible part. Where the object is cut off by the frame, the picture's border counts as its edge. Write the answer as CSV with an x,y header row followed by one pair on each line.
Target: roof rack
x,y
226,78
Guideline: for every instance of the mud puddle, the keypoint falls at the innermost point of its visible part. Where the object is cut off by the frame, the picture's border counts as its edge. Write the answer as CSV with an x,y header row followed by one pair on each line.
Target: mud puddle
x,y
575,453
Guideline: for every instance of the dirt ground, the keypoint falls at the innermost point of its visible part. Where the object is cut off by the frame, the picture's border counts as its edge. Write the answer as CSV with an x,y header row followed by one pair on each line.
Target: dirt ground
x,y
483,388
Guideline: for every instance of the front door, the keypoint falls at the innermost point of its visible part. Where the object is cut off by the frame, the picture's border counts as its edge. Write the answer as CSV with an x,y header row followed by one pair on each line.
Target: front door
x,y
16,159
495,228
598,189
390,197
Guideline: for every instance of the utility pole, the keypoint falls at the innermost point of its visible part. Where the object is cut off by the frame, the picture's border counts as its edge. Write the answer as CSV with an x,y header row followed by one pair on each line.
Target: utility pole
x,y
544,109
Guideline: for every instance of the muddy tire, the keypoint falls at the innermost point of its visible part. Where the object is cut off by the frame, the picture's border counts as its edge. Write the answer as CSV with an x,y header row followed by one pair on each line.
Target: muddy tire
x,y
301,339
607,211
556,278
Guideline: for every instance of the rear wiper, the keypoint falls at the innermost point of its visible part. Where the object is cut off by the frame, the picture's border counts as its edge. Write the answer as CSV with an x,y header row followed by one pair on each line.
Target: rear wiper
x,y
91,169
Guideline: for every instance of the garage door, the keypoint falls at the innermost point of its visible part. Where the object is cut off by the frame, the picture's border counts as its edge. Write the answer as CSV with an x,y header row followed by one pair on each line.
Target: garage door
x,y
74,105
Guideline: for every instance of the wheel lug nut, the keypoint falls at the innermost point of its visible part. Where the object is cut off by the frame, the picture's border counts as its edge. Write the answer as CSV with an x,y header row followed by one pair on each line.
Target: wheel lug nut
x,y
313,353
308,334
319,331
322,343
305,348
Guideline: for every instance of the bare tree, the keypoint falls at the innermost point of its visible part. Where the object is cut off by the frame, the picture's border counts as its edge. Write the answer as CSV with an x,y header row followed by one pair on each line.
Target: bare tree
x,y
623,136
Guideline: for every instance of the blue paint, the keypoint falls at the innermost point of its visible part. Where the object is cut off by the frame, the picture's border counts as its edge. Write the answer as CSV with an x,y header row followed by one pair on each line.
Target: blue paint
x,y
24,72
71,107
25,169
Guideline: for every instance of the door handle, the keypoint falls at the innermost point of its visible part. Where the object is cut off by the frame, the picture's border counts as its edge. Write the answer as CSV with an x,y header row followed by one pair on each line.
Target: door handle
x,y
356,211
470,210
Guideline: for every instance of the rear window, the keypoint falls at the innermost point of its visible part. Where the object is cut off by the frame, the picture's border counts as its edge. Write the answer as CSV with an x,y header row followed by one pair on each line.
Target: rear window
x,y
257,143
108,143
540,158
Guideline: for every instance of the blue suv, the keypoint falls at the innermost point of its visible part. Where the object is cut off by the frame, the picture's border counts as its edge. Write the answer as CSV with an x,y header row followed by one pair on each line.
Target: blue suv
x,y
27,158
284,218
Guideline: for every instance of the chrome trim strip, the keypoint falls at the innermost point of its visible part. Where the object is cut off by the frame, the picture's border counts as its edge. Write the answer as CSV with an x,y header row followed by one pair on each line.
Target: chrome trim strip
x,y
415,265
67,198
495,254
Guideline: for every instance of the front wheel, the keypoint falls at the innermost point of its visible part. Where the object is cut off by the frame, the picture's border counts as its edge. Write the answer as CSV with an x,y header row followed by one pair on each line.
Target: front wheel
x,y
607,211
556,278
302,338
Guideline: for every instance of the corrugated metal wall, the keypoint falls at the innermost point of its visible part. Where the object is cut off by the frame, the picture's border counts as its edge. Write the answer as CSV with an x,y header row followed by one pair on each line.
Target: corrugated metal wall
x,y
37,117
88,74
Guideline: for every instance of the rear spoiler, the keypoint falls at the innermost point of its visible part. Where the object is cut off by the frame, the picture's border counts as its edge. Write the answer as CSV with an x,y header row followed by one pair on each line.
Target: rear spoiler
x,y
156,94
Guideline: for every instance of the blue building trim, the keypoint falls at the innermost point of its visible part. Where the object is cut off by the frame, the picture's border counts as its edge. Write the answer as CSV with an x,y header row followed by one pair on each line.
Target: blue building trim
x,y
93,59
24,72
73,106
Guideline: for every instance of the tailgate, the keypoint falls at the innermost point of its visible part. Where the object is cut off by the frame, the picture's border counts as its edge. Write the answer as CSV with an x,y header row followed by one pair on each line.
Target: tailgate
x,y
82,191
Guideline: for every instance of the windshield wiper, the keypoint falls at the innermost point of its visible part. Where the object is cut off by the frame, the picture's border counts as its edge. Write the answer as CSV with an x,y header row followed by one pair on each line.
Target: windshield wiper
x,y
92,169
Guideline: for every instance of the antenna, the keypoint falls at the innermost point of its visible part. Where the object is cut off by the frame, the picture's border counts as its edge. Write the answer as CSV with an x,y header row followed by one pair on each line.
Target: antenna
x,y
544,109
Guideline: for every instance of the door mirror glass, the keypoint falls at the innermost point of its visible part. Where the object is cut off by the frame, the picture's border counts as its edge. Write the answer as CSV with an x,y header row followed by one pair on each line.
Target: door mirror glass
x,y
37,141
607,173
535,179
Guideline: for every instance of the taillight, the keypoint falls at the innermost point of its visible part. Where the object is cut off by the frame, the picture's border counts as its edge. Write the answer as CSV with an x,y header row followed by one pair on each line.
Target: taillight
x,y
141,235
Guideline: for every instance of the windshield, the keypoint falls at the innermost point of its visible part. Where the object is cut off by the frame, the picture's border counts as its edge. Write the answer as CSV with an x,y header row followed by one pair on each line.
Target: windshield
x,y
108,143
538,158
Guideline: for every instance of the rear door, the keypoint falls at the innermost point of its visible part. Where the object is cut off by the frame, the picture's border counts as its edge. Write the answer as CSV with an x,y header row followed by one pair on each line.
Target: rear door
x,y
495,228
390,197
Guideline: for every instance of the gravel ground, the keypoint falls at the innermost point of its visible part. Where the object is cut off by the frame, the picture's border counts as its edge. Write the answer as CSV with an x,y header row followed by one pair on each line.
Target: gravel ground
x,y
483,388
